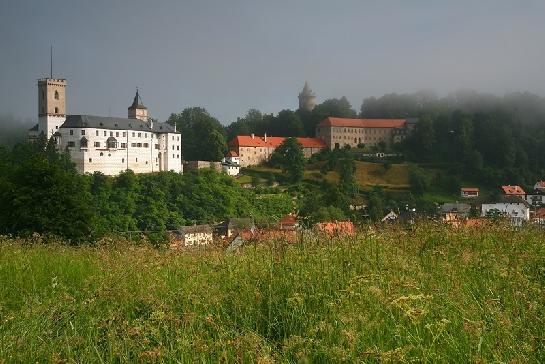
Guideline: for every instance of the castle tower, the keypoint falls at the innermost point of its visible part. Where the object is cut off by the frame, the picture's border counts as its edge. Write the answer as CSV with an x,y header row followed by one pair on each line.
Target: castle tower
x,y
51,105
307,98
137,110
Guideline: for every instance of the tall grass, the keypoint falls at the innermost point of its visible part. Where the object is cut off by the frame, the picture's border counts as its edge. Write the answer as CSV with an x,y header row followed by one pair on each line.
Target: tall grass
x,y
431,294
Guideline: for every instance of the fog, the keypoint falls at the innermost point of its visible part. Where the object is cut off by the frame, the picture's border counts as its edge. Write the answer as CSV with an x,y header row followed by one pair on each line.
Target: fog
x,y
13,130
229,56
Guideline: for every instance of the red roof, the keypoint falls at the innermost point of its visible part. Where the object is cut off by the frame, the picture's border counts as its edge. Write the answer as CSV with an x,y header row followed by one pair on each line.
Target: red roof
x,y
364,123
513,190
470,189
288,220
232,153
540,213
273,142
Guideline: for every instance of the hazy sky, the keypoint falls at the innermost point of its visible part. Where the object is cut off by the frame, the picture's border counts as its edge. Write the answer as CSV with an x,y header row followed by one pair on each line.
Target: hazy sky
x,y
232,55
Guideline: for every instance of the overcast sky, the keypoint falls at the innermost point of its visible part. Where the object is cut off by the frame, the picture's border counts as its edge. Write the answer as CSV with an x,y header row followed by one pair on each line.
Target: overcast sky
x,y
232,55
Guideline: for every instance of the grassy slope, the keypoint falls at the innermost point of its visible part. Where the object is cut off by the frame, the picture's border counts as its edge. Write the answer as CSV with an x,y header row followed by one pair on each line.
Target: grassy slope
x,y
432,294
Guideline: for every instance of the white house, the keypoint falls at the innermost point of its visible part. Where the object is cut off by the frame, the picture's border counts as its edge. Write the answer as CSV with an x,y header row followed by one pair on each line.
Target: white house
x,y
516,211
109,145
231,163
540,186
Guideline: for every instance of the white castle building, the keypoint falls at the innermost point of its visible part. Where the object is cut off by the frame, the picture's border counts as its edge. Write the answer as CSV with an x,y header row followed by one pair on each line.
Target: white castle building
x,y
106,144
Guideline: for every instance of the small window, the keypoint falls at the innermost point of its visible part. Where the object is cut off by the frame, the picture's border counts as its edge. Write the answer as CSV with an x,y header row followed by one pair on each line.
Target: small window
x,y
90,160
82,132
156,146
173,156
56,95
71,144
133,134
111,133
123,145
139,145
122,160
124,134
145,135
96,132
139,135
117,134
146,145
178,147
71,132
137,159
101,154
97,144
133,145
56,110
105,134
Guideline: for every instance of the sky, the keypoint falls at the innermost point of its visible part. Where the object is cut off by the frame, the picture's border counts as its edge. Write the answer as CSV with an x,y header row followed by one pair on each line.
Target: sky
x,y
232,55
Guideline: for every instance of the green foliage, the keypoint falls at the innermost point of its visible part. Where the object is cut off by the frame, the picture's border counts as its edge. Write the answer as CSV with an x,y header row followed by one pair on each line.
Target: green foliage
x,y
419,180
432,294
203,136
375,204
290,158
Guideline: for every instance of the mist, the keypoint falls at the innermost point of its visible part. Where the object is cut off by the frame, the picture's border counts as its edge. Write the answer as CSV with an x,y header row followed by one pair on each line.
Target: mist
x,y
13,130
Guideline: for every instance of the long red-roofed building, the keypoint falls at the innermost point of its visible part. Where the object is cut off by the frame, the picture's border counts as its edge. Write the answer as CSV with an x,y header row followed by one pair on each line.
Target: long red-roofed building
x,y
253,150
339,132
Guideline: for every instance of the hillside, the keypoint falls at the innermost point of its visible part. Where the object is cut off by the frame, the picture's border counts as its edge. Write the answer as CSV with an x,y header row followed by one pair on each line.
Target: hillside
x,y
428,295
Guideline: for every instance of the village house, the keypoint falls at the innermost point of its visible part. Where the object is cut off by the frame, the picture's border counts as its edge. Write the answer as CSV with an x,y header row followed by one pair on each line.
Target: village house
x,y
233,226
511,207
194,235
536,198
341,132
109,145
469,192
253,150
538,217
454,210
231,163
540,186
513,191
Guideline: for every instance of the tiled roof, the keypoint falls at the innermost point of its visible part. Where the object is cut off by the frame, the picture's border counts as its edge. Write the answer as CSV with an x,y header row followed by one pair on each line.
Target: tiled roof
x,y
273,142
102,122
232,153
364,123
513,190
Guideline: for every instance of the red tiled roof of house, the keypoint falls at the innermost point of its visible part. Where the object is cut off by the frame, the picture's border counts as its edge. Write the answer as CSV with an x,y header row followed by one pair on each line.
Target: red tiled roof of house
x,y
273,142
470,189
364,123
232,153
513,190
336,227
540,213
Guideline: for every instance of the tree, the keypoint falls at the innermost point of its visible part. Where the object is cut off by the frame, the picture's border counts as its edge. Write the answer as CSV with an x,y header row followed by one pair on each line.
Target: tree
x,y
202,135
290,158
419,181
287,123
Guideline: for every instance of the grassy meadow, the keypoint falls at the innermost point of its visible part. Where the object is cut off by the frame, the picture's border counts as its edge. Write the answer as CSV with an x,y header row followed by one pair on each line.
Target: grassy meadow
x,y
430,294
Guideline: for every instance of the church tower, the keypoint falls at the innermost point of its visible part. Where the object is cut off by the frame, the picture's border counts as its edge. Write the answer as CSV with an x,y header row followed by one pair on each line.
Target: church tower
x,y
51,105
307,98
137,110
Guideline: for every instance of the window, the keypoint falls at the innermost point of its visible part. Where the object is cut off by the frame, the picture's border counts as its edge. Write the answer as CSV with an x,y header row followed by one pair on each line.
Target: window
x,y
90,160
145,135
124,134
173,148
123,145
178,139
56,95
146,145
133,145
133,134
156,146
82,132
173,156
117,134
137,159
71,144
122,160
96,132
83,142
105,133
101,154
71,132
139,135
56,110
178,156
111,133
139,145
111,142
97,144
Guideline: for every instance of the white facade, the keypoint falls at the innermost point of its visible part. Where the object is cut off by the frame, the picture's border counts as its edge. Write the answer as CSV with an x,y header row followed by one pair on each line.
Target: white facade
x,y
231,165
516,212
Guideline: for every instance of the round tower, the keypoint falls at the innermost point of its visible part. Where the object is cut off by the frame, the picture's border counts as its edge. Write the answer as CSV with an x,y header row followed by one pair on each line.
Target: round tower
x,y
307,98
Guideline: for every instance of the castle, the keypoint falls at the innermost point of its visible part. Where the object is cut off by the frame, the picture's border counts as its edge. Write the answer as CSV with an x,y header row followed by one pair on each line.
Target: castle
x,y
109,145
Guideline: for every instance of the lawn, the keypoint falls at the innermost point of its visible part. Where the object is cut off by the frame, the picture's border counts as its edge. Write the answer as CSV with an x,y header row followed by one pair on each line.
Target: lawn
x,y
430,294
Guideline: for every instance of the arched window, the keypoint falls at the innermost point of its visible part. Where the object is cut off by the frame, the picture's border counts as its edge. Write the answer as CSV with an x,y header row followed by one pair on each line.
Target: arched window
x,y
56,95
56,110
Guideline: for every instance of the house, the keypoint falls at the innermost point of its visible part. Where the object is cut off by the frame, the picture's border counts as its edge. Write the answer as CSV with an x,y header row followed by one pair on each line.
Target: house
x,y
513,191
195,235
336,228
457,210
288,222
253,150
390,217
341,132
109,145
469,192
511,207
536,198
538,217
233,226
231,163
540,186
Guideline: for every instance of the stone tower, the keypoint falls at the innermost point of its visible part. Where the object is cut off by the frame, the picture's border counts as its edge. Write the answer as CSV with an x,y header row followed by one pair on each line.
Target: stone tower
x,y
307,98
51,105
137,110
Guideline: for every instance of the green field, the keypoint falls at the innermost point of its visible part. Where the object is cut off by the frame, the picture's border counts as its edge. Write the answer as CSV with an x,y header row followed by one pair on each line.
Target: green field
x,y
428,295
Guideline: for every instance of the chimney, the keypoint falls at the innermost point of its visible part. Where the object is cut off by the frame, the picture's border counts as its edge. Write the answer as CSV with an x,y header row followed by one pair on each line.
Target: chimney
x,y
265,137
253,136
